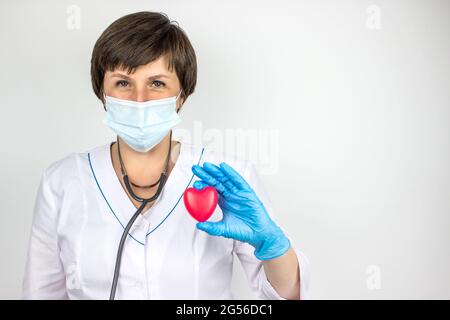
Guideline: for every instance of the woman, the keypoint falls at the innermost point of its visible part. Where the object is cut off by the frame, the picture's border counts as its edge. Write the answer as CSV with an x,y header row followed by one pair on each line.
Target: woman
x,y
143,69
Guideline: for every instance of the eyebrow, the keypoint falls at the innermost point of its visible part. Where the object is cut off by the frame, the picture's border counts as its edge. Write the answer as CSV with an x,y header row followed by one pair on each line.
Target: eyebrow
x,y
128,78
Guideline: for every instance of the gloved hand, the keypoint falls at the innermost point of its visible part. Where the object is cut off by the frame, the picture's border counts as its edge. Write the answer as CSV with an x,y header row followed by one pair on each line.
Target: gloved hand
x,y
244,216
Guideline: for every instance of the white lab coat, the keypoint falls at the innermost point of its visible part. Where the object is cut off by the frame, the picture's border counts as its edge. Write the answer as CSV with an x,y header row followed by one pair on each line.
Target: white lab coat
x,y
81,210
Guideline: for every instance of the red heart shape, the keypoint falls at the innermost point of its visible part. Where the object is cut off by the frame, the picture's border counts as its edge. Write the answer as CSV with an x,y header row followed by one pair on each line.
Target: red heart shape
x,y
200,203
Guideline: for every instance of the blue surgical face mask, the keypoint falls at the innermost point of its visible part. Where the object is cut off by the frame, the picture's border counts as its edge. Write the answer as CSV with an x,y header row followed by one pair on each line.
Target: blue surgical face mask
x,y
142,125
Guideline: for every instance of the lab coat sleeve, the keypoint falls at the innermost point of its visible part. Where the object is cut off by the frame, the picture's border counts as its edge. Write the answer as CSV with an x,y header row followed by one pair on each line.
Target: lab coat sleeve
x,y
44,274
252,266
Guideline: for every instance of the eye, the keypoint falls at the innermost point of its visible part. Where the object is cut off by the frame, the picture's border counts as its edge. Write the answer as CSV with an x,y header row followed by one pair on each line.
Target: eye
x,y
122,83
158,84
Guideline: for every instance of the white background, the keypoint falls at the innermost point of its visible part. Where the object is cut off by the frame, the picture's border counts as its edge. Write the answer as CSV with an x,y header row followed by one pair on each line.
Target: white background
x,y
359,109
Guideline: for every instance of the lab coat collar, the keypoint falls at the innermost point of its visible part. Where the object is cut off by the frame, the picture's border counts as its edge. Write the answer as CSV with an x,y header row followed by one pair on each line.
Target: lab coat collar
x,y
120,206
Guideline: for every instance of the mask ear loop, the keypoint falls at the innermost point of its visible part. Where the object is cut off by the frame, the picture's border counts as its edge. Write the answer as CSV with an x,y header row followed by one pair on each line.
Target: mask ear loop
x,y
104,101
178,95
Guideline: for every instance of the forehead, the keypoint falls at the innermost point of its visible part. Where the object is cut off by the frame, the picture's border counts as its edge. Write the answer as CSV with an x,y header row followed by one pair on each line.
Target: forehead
x,y
158,67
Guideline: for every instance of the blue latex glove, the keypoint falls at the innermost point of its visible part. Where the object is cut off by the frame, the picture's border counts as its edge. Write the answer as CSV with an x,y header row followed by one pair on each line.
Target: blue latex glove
x,y
244,216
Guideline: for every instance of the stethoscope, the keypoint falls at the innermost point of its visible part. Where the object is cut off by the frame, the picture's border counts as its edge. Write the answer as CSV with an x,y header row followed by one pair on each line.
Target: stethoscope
x,y
162,180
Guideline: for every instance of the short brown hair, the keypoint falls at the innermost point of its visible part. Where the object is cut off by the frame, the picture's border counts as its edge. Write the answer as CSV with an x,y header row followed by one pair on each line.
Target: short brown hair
x,y
138,39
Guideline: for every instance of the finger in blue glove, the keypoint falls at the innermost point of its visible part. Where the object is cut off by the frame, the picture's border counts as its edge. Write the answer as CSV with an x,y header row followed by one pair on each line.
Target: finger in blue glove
x,y
244,215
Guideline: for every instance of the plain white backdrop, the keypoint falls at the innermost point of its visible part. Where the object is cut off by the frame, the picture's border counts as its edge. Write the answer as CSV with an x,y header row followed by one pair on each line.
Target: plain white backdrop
x,y
346,101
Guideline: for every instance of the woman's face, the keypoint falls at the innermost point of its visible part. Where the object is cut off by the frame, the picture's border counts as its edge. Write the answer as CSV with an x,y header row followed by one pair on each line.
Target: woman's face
x,y
149,82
